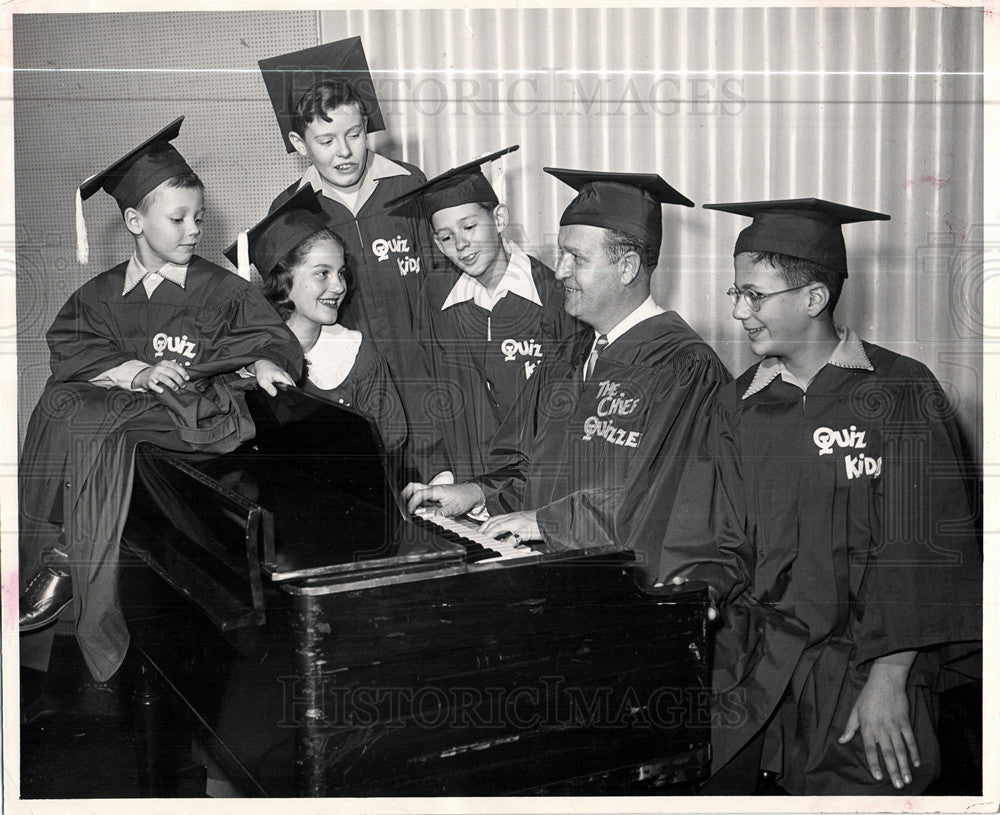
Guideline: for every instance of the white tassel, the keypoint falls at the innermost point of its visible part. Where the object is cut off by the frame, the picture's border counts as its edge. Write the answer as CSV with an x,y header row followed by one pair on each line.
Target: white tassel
x,y
243,256
499,179
82,246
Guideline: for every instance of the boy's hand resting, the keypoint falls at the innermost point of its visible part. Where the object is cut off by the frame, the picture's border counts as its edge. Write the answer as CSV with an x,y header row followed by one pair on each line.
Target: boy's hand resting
x,y
163,374
269,376
447,499
882,715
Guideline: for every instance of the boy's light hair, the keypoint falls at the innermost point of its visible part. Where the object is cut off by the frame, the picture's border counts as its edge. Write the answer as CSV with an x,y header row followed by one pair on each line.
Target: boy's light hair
x,y
184,181
487,206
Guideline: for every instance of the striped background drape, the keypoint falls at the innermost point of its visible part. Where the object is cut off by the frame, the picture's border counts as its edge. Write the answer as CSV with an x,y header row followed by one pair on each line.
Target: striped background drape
x,y
875,107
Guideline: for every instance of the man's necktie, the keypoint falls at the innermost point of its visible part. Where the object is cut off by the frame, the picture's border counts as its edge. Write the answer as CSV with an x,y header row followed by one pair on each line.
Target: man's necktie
x,y
600,345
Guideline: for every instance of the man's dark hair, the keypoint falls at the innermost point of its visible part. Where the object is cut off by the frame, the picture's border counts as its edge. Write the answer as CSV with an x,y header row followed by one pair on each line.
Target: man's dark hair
x,y
800,272
321,98
618,244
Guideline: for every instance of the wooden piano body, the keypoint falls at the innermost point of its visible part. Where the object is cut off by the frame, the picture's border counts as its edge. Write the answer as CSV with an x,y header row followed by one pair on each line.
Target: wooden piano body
x,y
327,646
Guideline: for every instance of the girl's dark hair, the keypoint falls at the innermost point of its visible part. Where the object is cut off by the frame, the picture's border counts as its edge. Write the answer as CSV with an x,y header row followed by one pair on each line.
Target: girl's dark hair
x,y
278,283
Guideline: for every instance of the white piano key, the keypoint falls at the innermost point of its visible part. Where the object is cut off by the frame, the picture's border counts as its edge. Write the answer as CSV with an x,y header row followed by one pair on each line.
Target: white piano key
x,y
469,530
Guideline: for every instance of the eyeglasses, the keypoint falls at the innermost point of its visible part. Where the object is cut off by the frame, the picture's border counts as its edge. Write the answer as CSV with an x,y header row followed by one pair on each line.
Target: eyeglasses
x,y
754,299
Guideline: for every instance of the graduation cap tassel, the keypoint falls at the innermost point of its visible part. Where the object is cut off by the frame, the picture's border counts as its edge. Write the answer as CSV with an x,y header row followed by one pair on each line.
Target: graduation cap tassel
x,y
82,246
499,180
243,256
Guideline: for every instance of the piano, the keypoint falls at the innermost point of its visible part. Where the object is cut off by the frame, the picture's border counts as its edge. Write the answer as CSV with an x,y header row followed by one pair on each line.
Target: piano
x,y
323,643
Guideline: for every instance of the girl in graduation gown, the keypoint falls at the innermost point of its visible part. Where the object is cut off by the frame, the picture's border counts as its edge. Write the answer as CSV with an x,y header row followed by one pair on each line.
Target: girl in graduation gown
x,y
305,279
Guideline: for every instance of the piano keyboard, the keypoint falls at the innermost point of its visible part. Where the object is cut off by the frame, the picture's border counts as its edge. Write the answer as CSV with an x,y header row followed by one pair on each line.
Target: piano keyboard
x,y
479,548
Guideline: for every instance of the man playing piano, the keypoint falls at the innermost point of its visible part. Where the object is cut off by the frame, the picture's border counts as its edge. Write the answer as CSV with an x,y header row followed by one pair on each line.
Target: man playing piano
x,y
630,392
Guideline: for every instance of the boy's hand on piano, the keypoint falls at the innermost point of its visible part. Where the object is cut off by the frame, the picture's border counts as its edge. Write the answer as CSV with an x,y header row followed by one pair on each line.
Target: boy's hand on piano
x,y
270,377
523,526
445,499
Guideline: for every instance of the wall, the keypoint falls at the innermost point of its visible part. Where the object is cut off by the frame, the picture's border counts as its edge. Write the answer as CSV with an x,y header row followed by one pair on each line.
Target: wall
x,y
878,108
87,88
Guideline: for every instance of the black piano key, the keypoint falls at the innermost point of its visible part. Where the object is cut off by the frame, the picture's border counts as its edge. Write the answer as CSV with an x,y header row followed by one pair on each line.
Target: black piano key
x,y
474,551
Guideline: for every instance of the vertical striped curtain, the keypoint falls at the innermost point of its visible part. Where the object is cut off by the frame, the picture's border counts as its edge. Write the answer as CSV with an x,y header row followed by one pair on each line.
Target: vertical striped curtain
x,y
875,107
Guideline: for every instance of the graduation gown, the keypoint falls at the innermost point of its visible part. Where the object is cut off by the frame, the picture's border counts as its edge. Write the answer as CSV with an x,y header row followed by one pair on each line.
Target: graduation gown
x,y
845,532
481,361
388,256
368,387
568,447
76,467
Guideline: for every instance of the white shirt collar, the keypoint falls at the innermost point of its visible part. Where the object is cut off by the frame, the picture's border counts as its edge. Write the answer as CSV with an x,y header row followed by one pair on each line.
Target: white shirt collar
x,y
378,167
516,279
849,353
136,273
646,309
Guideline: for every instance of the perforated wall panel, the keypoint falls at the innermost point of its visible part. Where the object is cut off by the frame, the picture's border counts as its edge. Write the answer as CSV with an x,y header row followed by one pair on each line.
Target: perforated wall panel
x,y
89,87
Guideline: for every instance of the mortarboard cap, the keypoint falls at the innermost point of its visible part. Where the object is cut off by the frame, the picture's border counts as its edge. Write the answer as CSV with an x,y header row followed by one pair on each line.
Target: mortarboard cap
x,y
627,202
278,234
807,228
132,177
289,76
465,184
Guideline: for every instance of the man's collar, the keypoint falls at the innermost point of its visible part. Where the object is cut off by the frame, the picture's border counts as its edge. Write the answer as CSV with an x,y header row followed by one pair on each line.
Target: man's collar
x,y
646,309
517,279
136,273
377,168
849,353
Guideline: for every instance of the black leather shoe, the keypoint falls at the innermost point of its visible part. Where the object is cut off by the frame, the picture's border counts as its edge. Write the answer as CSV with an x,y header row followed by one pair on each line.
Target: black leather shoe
x,y
48,592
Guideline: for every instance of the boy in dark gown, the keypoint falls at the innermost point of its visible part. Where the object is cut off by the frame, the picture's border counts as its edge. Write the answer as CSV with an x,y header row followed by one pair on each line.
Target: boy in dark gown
x,y
847,555
325,103
491,319
146,351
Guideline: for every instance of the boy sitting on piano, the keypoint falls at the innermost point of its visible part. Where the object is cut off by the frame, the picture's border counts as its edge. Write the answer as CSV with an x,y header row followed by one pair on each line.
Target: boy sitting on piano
x,y
305,278
147,351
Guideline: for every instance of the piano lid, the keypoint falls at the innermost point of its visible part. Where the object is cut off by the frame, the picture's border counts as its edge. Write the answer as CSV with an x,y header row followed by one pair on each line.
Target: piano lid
x,y
331,490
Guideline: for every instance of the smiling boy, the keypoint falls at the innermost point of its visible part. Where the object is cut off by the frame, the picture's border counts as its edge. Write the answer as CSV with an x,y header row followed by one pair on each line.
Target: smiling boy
x,y
490,325
326,106
628,394
146,351
846,518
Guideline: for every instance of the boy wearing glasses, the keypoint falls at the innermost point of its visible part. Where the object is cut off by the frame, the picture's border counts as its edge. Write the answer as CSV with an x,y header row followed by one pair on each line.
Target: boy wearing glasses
x,y
848,561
